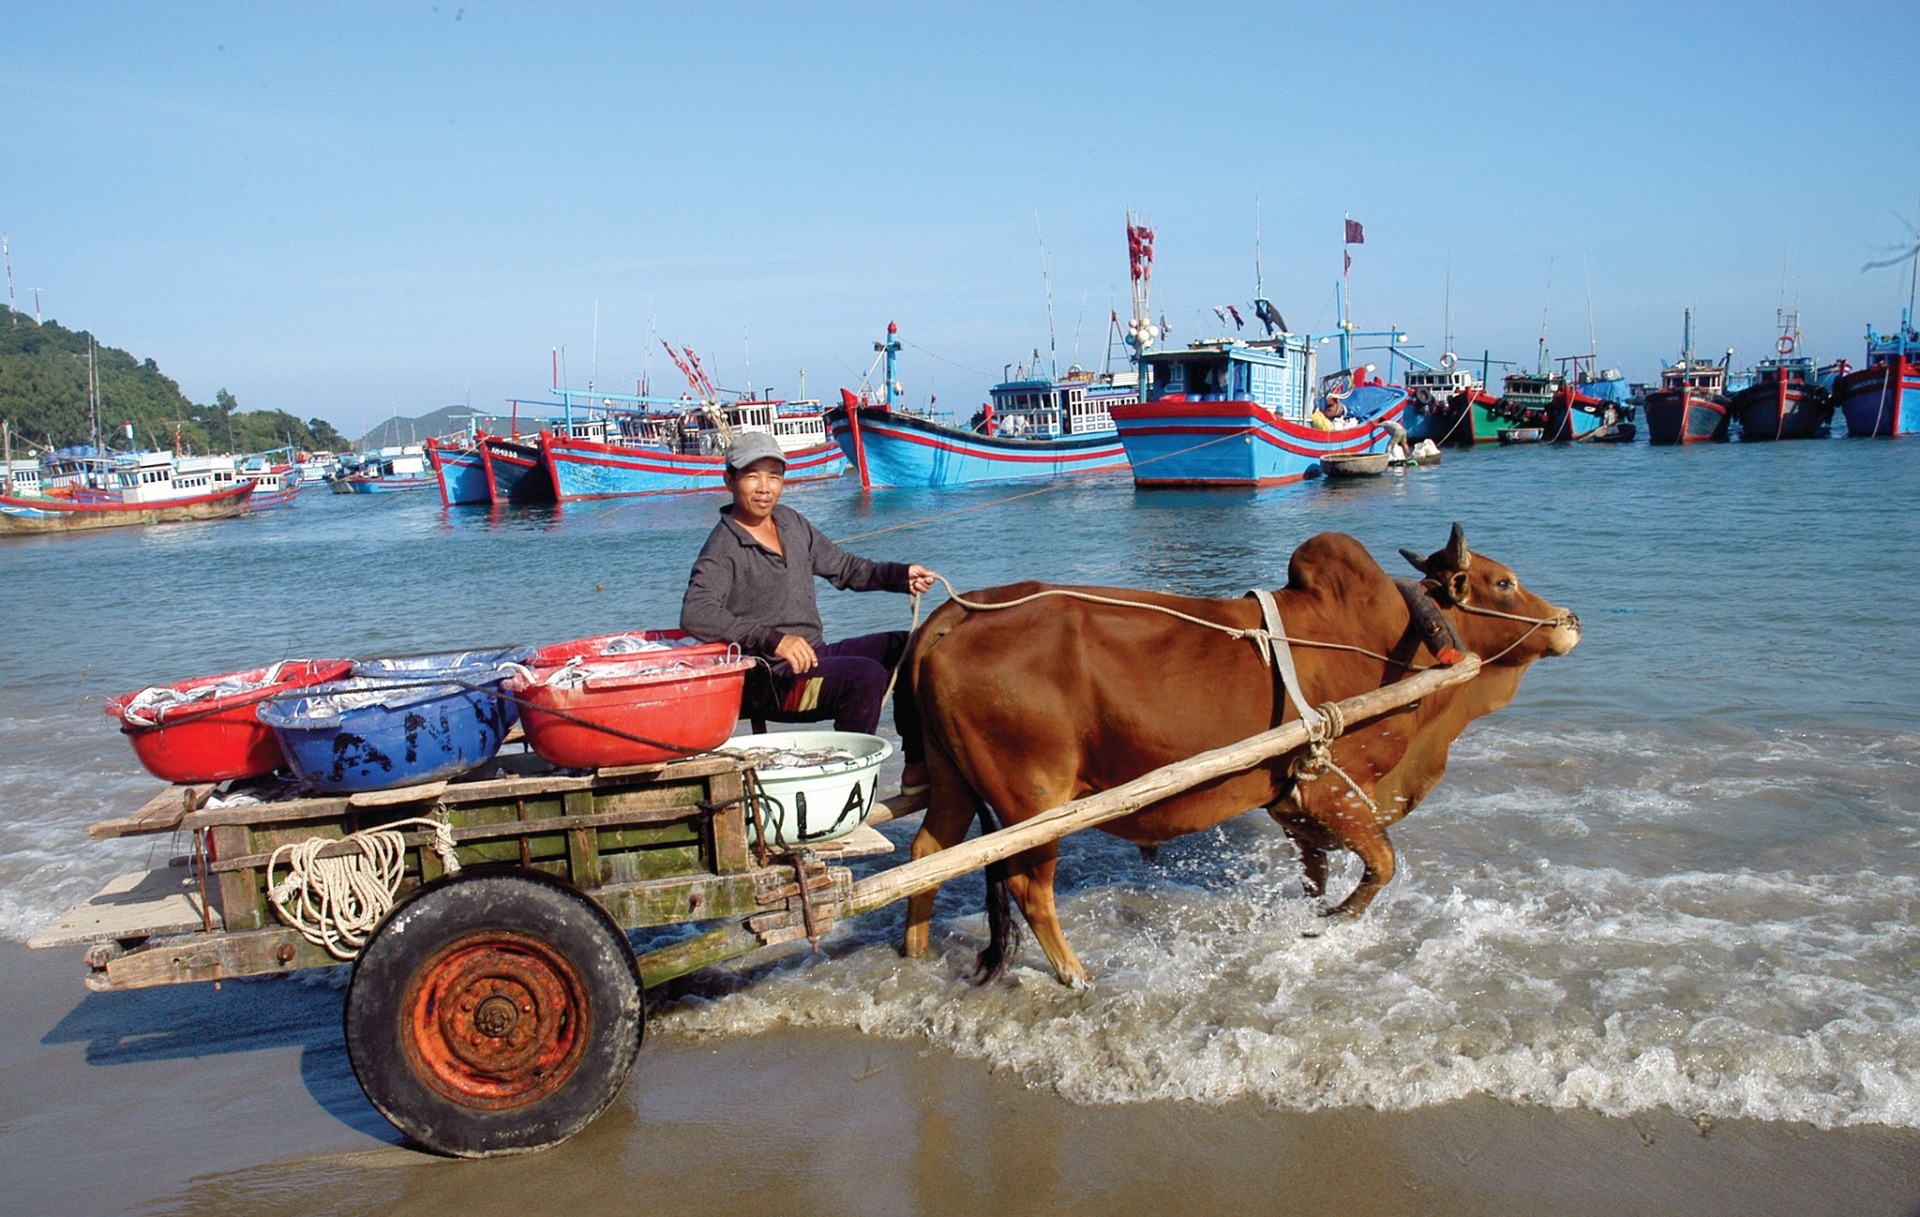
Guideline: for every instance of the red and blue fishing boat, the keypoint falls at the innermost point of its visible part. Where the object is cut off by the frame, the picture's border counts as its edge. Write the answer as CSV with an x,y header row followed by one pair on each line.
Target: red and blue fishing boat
x,y
1589,404
613,452
1883,398
1035,427
610,445
44,514
515,471
1787,398
1690,406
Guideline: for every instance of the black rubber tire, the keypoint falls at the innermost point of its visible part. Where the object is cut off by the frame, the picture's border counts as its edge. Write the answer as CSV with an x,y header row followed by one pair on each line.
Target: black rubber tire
x,y
494,1013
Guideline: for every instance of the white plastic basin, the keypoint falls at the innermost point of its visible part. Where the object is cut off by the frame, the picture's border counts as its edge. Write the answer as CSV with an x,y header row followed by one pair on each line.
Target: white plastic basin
x,y
804,799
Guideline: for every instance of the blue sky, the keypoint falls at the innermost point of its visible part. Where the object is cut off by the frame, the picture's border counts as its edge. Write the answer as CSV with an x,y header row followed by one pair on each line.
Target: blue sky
x,y
354,211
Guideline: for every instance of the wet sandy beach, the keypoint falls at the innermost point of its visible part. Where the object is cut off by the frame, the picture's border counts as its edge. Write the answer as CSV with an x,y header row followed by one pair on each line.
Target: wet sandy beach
x,y
240,1100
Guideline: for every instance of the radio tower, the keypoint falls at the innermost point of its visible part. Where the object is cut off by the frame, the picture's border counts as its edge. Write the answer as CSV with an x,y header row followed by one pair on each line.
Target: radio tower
x,y
13,314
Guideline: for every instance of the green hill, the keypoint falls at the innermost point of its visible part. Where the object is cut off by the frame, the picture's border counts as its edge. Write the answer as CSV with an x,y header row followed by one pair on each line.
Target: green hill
x,y
43,395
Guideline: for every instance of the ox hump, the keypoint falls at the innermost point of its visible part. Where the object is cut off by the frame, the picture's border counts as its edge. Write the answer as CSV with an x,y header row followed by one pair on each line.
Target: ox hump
x,y
1336,564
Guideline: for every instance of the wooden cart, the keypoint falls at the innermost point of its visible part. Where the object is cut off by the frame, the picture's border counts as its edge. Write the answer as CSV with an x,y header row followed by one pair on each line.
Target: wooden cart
x,y
499,1008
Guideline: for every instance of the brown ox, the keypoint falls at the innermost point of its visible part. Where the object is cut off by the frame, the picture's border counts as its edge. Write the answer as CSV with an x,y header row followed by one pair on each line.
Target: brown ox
x,y
1028,707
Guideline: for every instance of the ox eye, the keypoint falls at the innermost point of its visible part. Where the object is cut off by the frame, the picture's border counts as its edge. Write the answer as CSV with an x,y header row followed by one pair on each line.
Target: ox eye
x,y
1506,585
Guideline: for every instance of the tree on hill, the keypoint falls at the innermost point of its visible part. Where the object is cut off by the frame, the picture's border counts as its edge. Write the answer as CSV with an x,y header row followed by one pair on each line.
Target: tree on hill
x,y
44,395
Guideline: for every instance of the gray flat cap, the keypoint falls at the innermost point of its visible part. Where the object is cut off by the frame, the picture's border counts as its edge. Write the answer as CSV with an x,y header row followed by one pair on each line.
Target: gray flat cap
x,y
750,446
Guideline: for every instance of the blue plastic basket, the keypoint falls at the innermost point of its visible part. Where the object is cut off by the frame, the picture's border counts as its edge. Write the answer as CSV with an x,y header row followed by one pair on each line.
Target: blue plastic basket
x,y
397,722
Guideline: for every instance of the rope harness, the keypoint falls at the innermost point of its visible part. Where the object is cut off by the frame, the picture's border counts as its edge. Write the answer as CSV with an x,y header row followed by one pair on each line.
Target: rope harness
x,y
1324,723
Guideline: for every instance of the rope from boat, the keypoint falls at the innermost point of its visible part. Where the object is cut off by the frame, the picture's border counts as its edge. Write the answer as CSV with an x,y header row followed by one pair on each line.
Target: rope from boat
x,y
337,902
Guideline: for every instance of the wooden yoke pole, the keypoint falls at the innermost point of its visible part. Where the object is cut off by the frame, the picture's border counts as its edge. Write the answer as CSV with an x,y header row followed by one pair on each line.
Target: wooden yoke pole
x,y
899,882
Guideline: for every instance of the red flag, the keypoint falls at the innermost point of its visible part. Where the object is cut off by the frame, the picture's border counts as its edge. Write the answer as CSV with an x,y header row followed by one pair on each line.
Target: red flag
x,y
1355,234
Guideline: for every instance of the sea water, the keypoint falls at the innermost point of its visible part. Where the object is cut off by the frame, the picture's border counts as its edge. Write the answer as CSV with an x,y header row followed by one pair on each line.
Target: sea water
x,y
1679,871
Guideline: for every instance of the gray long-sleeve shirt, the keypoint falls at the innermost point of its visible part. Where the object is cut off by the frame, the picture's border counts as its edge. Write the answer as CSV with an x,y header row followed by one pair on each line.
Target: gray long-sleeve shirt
x,y
742,592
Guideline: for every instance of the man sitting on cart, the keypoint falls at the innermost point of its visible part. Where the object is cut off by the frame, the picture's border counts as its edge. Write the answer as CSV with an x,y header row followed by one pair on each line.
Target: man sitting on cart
x,y
752,585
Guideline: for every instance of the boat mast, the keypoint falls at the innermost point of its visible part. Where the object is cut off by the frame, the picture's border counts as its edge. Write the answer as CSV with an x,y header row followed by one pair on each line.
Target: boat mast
x,y
1593,346
1343,297
891,349
1046,276
1141,332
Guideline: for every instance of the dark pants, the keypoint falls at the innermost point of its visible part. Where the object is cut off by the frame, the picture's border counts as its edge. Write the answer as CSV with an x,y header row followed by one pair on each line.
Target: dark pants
x,y
847,686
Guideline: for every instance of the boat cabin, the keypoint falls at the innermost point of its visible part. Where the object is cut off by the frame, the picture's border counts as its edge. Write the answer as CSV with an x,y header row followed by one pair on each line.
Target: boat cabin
x,y
23,479
1435,386
1079,403
1275,373
1699,375
159,477
1904,343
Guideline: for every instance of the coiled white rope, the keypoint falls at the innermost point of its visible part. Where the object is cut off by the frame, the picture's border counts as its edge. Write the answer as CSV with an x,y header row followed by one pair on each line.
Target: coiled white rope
x,y
337,902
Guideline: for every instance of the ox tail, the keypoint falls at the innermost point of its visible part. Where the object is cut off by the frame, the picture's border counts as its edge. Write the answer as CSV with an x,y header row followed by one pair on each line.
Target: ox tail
x,y
1003,928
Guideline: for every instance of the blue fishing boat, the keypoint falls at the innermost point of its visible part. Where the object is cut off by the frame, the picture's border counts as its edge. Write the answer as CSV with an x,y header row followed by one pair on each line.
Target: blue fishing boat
x,y
1228,413
1035,427
459,469
390,470
1883,398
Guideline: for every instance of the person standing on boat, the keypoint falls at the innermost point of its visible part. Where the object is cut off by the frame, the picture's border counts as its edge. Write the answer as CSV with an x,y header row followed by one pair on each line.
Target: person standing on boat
x,y
752,585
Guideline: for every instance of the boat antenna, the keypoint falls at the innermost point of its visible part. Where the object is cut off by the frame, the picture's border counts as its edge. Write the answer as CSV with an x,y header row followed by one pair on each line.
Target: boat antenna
x,y
646,366
746,345
1447,326
1593,347
1077,323
593,352
1046,274
1259,290
1544,305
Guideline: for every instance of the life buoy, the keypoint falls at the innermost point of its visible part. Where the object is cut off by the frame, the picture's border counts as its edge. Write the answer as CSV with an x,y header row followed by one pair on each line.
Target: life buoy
x,y
1785,345
1448,360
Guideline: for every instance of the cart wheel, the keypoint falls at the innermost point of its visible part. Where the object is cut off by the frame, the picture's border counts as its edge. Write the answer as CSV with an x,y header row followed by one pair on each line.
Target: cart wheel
x,y
494,1014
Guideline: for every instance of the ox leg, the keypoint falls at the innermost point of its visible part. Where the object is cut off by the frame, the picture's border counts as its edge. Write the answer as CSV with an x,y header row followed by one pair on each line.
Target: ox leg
x,y
1313,844
1030,880
950,811
1376,856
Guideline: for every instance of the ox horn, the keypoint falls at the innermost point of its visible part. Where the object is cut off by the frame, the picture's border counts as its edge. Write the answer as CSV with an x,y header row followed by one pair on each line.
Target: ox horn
x,y
1456,555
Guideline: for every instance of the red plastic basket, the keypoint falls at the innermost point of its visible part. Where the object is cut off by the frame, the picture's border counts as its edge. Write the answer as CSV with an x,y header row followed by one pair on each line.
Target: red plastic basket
x,y
655,707
217,738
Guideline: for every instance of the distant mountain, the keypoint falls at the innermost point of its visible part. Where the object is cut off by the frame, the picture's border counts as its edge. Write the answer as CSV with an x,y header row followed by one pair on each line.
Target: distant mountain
x,y
449,420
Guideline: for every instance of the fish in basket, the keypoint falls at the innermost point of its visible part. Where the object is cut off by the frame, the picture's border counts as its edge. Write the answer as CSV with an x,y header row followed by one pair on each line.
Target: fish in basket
x,y
616,647
397,722
207,729
638,710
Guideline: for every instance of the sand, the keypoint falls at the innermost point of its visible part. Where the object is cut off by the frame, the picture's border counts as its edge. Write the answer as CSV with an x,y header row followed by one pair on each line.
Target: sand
x,y
240,1100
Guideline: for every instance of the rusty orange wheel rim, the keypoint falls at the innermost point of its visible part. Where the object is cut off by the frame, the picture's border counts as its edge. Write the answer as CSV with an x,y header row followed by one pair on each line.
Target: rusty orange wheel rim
x,y
496,1021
